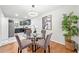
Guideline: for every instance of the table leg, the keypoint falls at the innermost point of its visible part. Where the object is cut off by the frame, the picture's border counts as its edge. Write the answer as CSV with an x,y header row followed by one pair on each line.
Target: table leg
x,y
33,47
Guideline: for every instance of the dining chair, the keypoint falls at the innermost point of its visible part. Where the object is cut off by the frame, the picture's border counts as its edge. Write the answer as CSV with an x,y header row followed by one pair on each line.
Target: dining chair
x,y
22,44
38,37
43,31
28,31
44,43
43,35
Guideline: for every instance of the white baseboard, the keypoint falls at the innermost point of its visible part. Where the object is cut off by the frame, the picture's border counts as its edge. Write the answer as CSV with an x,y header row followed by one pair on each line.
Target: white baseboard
x,y
7,42
10,40
58,42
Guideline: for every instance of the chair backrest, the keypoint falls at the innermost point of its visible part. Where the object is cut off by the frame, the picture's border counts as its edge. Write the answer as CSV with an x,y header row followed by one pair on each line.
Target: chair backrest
x,y
43,31
47,40
18,40
28,32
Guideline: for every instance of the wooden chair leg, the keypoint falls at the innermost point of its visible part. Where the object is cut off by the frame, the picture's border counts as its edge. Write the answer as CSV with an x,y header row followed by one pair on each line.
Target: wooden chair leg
x,y
49,48
35,48
18,49
32,48
44,50
75,50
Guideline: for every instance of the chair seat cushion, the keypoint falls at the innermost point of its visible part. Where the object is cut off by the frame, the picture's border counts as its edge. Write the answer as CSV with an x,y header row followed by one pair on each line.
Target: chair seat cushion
x,y
25,43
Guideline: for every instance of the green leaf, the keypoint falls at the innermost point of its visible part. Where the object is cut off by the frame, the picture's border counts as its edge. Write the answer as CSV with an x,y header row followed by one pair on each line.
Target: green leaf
x,y
69,24
74,30
74,17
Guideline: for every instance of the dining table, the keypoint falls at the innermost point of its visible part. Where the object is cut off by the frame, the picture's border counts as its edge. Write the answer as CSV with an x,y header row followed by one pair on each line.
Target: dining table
x,y
34,37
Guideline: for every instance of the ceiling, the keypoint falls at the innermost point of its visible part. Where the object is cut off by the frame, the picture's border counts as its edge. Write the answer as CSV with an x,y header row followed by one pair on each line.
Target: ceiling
x,y
21,11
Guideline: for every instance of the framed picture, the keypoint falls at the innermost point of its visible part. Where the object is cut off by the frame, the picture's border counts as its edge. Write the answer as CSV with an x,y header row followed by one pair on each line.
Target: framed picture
x,y
47,22
25,22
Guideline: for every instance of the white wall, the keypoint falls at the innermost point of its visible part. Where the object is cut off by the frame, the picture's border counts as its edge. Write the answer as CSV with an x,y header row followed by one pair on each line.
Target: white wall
x,y
4,23
3,27
76,38
57,17
0,22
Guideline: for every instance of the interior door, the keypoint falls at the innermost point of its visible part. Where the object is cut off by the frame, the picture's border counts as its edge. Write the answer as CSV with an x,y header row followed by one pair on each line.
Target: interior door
x,y
11,28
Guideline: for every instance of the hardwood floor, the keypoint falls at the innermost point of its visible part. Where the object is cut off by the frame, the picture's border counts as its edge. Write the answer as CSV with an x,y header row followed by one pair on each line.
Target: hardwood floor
x,y
54,48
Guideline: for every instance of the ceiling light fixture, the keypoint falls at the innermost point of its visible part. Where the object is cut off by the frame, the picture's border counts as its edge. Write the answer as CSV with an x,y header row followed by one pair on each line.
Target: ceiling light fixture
x,y
33,13
33,6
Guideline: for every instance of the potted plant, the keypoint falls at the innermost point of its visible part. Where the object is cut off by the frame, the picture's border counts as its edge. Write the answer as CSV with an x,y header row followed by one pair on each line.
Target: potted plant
x,y
69,27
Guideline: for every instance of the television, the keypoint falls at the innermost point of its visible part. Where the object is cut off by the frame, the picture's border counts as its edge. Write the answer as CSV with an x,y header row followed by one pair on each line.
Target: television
x,y
25,22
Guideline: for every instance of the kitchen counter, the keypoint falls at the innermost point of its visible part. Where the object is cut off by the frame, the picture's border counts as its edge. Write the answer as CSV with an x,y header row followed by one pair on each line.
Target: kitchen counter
x,y
19,30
